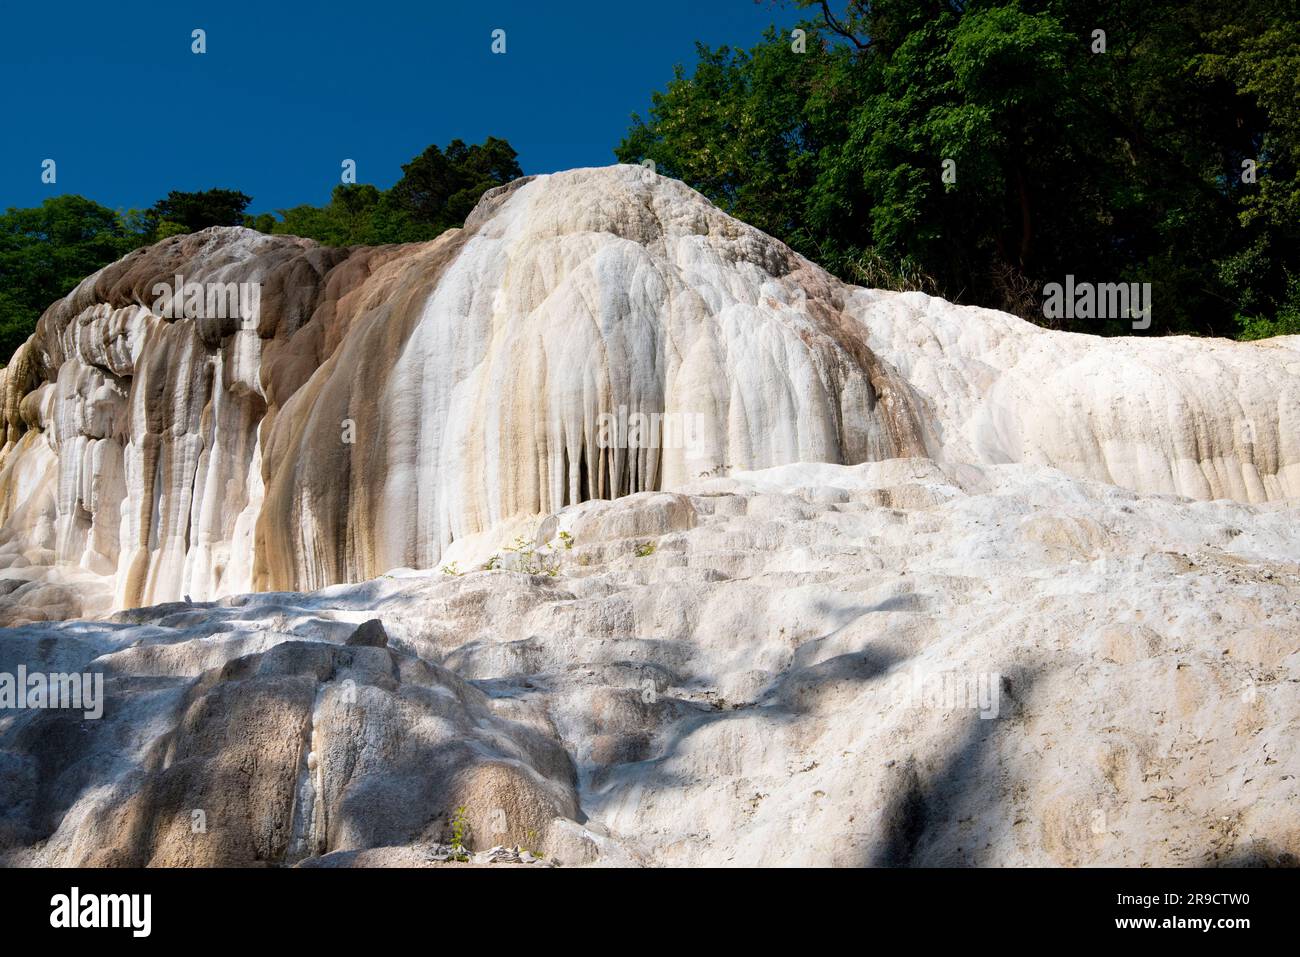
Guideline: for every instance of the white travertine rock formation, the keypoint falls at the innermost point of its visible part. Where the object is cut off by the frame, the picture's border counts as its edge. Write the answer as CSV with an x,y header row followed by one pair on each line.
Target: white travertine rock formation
x,y
887,664
879,580
386,403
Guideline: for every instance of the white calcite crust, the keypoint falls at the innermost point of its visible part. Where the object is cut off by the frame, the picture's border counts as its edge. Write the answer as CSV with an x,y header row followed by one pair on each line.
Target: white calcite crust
x,y
928,584
389,402
749,670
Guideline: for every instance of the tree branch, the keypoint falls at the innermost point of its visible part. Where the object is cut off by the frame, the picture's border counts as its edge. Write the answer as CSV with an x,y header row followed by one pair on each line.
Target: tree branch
x,y
839,28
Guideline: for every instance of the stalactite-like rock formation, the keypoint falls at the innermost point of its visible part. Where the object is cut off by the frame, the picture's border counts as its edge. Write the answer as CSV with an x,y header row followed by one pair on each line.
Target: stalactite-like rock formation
x,y
381,403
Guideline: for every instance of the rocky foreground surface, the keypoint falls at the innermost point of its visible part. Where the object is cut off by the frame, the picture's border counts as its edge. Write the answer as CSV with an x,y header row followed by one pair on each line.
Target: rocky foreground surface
x,y
771,668
368,584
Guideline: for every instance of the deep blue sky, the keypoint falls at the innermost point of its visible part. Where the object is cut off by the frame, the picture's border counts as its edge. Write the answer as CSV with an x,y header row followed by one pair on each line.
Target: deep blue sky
x,y
111,91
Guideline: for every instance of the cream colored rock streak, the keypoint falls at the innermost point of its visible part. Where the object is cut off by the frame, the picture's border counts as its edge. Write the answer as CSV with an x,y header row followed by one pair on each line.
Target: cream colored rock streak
x,y
1204,418
541,326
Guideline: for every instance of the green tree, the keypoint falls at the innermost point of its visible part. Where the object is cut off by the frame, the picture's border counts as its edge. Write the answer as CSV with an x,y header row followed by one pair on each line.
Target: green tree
x,y
747,129
438,189
199,210
1261,271
436,192
47,250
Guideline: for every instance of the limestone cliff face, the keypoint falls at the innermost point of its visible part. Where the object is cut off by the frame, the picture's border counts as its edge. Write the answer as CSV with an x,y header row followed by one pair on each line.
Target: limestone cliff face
x,y
131,466
380,404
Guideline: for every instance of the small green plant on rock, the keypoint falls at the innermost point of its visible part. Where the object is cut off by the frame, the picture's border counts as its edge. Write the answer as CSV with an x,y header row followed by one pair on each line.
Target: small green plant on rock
x,y
531,838
645,549
450,569
535,561
528,561
459,834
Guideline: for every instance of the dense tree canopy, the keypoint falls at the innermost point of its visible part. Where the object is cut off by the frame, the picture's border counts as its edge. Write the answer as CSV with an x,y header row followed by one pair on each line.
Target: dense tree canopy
x,y
189,212
46,251
1114,164
438,189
